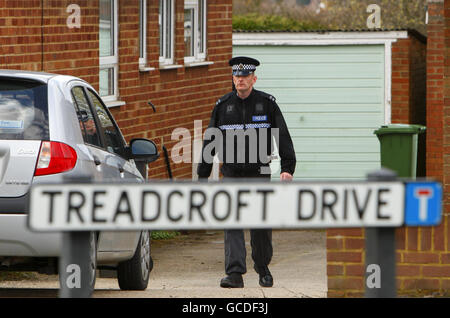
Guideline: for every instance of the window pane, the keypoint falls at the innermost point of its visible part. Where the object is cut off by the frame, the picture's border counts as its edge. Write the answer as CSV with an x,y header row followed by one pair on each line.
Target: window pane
x,y
165,29
142,28
113,138
168,27
106,28
189,32
23,110
201,31
161,28
85,117
107,81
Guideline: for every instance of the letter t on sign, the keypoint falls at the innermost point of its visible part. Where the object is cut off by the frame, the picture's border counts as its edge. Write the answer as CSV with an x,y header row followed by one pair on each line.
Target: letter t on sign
x,y
423,194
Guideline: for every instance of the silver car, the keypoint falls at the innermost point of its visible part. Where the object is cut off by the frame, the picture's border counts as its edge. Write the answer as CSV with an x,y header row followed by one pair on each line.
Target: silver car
x,y
54,127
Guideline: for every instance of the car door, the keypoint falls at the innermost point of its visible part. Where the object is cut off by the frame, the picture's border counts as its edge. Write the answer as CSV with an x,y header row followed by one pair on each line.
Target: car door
x,y
93,146
114,142
93,149
121,169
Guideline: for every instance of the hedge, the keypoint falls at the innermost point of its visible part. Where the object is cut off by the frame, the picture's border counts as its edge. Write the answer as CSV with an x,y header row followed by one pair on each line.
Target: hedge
x,y
255,22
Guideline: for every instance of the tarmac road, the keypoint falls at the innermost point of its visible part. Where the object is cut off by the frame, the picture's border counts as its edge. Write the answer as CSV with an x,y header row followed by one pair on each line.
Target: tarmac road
x,y
191,266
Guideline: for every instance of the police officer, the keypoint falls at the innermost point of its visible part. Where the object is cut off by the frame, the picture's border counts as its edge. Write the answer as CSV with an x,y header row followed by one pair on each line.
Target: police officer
x,y
241,110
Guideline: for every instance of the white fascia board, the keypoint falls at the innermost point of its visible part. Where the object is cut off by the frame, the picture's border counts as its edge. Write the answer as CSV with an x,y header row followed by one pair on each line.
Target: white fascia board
x,y
326,38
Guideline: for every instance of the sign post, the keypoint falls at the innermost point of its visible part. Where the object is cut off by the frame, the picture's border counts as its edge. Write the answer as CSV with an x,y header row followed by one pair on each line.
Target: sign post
x,y
378,204
77,265
380,251
77,261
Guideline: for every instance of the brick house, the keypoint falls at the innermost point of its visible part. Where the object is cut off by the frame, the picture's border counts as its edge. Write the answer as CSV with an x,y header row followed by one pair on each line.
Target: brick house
x,y
173,53
423,257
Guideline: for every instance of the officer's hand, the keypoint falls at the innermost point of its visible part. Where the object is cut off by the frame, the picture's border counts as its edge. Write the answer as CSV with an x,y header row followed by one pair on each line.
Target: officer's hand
x,y
285,176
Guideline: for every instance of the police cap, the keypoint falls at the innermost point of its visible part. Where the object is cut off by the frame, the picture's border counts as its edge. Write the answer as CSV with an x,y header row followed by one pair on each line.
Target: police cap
x,y
243,65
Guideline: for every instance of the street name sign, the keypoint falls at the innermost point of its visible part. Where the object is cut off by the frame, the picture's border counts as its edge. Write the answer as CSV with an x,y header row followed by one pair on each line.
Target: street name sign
x,y
217,205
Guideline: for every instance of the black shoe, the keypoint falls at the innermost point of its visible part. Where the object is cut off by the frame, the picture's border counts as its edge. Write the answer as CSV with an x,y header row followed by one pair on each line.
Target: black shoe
x,y
265,277
234,280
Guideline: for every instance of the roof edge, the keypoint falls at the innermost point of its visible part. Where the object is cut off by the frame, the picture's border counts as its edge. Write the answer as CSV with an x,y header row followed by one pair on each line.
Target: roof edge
x,y
413,32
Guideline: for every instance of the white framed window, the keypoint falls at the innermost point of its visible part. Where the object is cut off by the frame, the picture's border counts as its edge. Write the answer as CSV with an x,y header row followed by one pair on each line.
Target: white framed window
x,y
142,32
194,30
109,57
166,31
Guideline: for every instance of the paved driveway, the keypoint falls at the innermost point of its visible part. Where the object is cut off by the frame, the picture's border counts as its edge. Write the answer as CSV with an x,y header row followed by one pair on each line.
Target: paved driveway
x,y
191,266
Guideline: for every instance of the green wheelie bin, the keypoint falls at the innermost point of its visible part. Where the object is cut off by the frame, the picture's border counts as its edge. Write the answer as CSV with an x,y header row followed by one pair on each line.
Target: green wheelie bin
x,y
398,148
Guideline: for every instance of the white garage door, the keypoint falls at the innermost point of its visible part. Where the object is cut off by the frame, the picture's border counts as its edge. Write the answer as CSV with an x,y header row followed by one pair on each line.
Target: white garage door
x,y
332,98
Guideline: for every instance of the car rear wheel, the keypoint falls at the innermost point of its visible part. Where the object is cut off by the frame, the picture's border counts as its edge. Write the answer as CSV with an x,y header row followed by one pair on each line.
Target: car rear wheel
x,y
135,273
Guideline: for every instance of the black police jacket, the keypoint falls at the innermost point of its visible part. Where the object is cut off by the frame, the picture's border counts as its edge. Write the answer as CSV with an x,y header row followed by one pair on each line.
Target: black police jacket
x,y
253,119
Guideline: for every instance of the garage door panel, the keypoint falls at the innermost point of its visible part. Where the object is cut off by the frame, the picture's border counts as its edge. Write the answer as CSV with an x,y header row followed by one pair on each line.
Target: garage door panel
x,y
326,179
325,108
331,157
327,95
269,84
335,144
333,120
336,170
315,50
332,171
322,71
331,132
341,57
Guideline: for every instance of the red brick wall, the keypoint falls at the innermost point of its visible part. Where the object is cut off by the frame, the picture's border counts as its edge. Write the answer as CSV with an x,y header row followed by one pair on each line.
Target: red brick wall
x,y
345,262
401,74
443,232
435,81
20,46
418,80
422,253
36,37
409,80
180,95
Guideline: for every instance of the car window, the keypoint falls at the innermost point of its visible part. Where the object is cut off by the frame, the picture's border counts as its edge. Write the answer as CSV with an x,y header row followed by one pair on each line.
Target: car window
x,y
85,117
23,110
113,138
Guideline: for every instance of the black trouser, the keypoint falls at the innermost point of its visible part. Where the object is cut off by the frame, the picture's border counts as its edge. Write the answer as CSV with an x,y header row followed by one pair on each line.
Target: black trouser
x,y
260,240
235,252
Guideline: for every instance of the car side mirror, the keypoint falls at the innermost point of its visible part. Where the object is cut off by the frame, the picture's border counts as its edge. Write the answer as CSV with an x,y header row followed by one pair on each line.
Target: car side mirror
x,y
141,149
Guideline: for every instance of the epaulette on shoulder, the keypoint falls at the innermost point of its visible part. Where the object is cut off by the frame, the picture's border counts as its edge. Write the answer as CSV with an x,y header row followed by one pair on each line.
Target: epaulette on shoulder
x,y
224,98
268,96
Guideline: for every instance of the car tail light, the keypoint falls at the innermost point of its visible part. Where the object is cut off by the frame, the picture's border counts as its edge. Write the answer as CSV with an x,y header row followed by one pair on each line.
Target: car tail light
x,y
55,157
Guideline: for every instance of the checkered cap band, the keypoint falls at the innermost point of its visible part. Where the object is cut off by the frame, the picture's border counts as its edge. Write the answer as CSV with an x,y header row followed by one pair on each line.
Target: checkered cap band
x,y
243,67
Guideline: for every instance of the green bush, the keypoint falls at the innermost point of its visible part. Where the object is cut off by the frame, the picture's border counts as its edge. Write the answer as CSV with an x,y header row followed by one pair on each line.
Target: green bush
x,y
285,15
164,235
256,22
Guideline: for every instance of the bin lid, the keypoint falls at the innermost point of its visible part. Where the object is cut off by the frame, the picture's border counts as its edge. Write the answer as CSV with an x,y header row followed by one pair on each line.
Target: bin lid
x,y
400,129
